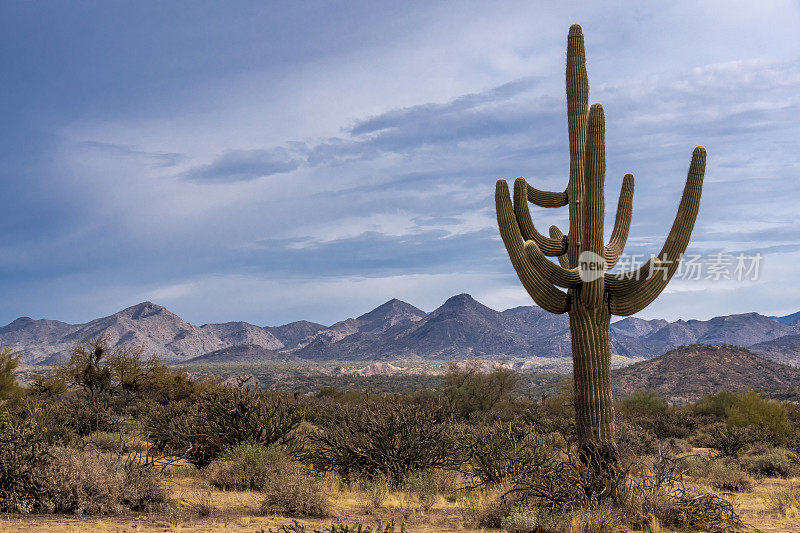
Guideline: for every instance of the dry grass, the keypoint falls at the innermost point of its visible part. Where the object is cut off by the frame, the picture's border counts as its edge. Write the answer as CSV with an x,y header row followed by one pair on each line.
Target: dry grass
x,y
238,511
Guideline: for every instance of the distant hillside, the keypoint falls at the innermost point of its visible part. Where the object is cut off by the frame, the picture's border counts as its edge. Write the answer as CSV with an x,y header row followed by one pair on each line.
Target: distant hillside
x,y
244,353
461,328
788,319
783,349
698,370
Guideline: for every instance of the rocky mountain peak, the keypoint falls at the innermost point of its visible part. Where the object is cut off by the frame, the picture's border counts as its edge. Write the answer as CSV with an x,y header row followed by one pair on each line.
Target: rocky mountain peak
x,y
460,300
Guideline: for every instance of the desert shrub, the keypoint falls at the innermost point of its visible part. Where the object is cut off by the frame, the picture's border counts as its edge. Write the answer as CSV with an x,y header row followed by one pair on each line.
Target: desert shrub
x,y
246,467
106,441
722,475
423,485
501,451
88,414
634,440
220,418
24,445
162,385
596,519
675,423
525,518
487,509
565,479
82,483
776,463
472,394
655,495
376,491
339,527
786,500
388,438
48,385
642,403
291,492
79,483
141,488
769,416
768,419
728,440
9,361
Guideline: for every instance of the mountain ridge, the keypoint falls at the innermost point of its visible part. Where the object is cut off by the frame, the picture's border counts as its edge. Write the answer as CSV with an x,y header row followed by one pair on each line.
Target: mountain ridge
x,y
461,328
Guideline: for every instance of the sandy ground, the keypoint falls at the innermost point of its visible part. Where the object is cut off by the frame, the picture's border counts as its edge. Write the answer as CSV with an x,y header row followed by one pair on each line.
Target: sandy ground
x,y
238,512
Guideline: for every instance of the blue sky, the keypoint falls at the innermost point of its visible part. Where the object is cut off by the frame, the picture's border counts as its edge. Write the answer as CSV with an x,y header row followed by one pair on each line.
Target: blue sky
x,y
272,161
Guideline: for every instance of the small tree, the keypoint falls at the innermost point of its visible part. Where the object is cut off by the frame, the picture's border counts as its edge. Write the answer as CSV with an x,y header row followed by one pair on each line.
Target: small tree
x,y
87,367
472,393
9,388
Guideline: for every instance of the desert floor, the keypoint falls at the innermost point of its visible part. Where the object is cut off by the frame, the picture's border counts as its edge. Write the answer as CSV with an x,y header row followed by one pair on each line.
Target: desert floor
x,y
238,512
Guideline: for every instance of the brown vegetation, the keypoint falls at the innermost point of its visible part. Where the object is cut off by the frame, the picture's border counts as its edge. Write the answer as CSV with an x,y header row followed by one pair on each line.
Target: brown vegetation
x,y
472,452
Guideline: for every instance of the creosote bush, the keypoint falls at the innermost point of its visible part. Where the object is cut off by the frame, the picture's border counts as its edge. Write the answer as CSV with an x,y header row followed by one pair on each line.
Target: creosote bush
x,y
247,467
725,475
776,462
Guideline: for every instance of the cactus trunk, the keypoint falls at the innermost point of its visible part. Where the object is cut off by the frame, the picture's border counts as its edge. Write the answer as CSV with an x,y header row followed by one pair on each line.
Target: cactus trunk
x,y
591,360
593,294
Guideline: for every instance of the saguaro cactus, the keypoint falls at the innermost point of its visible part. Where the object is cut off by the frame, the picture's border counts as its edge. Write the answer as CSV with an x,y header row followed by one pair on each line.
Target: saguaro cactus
x,y
592,294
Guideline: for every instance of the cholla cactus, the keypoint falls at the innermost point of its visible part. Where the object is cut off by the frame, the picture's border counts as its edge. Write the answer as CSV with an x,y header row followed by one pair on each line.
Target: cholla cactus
x,y
592,294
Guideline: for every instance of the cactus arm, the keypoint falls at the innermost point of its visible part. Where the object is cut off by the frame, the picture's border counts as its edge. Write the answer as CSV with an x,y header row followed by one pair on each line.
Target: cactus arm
x,y
543,293
622,223
557,234
577,114
528,230
563,277
546,198
675,245
627,282
594,208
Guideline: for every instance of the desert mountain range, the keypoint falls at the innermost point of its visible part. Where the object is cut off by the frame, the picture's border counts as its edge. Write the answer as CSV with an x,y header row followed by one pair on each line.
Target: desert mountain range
x,y
461,328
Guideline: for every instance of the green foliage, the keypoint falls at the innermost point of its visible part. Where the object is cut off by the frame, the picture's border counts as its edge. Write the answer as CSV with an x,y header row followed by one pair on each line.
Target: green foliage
x,y
728,440
247,467
750,417
472,394
24,445
774,463
87,367
48,386
642,403
9,388
722,474
751,410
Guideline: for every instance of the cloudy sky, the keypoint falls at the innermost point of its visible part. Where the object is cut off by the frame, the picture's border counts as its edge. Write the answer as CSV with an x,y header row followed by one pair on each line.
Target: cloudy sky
x,y
272,161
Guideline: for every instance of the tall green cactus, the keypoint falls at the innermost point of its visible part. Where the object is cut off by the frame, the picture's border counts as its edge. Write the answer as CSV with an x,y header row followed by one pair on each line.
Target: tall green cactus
x,y
593,294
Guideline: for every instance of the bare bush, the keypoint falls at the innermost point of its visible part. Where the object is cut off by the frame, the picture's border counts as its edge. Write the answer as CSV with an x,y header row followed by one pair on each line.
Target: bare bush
x,y
383,438
501,452
293,493
222,417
